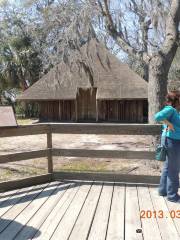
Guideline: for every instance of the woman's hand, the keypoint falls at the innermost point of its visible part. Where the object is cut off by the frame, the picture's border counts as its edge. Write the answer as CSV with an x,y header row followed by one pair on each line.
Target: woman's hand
x,y
169,125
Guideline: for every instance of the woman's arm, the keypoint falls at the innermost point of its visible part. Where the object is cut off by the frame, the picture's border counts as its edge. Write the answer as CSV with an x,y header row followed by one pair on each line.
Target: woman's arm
x,y
164,114
170,125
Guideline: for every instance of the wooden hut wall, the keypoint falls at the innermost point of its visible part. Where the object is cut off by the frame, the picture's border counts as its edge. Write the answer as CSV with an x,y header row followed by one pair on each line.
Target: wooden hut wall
x,y
63,110
122,110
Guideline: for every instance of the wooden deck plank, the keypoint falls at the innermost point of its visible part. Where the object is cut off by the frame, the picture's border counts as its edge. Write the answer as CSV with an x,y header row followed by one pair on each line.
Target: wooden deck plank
x,y
81,228
8,193
15,210
15,192
83,210
149,224
116,222
174,210
63,230
17,196
11,193
29,194
42,213
166,224
8,203
100,222
48,227
13,228
10,215
132,215
5,195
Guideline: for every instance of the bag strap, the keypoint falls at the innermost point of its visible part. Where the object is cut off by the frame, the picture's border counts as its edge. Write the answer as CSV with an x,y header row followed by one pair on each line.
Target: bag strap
x,y
163,140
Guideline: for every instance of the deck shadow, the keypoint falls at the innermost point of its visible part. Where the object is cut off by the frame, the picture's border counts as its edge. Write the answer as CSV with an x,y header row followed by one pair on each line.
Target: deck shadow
x,y
30,196
10,228
25,191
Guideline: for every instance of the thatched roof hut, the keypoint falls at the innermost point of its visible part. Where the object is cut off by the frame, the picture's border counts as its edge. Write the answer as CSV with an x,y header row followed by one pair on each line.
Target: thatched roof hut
x,y
91,84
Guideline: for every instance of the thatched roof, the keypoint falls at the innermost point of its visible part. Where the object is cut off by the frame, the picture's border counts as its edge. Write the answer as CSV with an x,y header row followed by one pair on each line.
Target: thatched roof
x,y
91,66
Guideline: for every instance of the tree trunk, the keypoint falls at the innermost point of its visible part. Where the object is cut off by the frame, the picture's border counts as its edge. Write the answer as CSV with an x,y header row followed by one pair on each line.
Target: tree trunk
x,y
157,86
146,72
160,62
0,98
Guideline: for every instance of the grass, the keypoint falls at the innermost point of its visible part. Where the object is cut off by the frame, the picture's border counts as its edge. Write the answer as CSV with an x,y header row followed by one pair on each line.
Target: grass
x,y
19,172
25,121
82,166
5,175
11,173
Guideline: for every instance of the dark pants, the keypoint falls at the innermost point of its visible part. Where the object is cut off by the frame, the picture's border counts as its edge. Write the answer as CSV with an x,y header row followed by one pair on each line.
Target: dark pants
x,y
169,181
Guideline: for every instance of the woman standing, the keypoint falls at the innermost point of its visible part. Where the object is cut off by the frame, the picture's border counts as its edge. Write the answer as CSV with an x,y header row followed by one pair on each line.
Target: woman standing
x,y
169,115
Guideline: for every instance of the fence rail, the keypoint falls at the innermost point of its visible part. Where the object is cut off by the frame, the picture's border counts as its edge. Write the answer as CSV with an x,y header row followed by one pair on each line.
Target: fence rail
x,y
79,128
104,153
24,130
14,157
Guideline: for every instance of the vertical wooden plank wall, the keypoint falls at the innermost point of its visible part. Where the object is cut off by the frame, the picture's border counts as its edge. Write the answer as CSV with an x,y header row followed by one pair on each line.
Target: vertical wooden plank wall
x,y
86,107
97,111
131,111
63,110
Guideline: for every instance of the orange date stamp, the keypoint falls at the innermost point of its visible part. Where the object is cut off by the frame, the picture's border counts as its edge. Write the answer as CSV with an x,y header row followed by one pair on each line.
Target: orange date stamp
x,y
159,214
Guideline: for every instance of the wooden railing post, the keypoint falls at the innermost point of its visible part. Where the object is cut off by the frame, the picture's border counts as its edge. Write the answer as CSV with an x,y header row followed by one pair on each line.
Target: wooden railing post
x,y
49,146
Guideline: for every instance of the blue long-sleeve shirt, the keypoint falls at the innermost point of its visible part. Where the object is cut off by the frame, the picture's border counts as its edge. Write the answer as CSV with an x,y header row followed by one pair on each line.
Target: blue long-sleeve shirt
x,y
171,114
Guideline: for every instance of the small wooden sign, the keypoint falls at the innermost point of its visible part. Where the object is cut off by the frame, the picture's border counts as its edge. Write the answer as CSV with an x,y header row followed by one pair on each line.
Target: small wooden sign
x,y
7,117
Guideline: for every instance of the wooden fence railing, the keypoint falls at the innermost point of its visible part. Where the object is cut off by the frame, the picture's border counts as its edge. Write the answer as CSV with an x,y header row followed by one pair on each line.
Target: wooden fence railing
x,y
75,128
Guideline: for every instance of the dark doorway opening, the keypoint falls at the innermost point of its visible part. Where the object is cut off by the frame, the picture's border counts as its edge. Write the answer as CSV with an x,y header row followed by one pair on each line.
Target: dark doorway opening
x,y
86,104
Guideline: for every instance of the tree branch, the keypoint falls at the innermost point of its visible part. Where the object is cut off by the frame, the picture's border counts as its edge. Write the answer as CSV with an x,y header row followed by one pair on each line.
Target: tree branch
x,y
172,33
119,37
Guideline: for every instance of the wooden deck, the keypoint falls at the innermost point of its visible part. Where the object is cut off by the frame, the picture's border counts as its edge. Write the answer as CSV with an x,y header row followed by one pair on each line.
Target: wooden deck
x,y
87,210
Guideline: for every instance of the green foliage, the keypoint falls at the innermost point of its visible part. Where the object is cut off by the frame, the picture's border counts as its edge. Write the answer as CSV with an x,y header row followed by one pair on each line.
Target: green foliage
x,y
20,110
20,43
19,60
